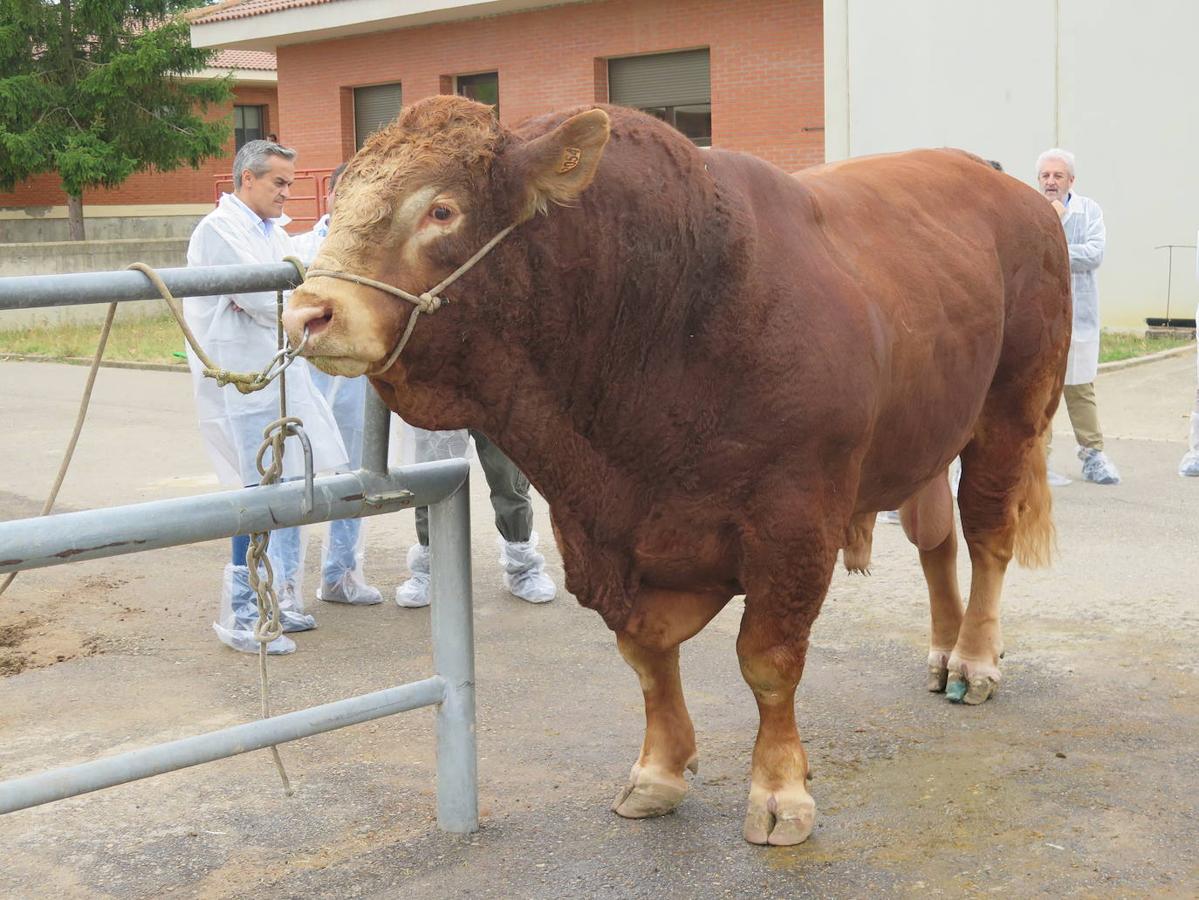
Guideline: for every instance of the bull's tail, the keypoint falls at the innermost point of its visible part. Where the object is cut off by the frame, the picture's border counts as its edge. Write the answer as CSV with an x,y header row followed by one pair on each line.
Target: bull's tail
x,y
1036,537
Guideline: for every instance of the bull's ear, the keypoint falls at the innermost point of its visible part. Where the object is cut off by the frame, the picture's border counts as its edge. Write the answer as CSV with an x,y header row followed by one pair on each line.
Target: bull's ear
x,y
558,166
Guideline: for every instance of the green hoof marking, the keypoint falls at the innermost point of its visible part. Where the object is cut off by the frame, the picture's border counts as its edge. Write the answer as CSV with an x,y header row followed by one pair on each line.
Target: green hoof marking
x,y
955,691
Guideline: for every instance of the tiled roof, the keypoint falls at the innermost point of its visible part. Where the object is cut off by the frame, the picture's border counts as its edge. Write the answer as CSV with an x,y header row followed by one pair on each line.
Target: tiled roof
x,y
259,60
243,9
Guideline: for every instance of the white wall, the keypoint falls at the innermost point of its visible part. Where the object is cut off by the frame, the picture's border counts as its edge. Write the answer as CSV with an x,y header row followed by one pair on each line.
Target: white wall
x,y
1112,80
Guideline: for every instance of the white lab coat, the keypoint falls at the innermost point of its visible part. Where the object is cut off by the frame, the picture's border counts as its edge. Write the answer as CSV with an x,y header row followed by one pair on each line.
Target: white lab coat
x,y
1194,442
239,333
308,244
1087,239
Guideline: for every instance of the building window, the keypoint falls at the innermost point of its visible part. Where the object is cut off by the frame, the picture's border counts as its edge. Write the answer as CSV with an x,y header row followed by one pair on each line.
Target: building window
x,y
483,88
374,107
674,87
249,124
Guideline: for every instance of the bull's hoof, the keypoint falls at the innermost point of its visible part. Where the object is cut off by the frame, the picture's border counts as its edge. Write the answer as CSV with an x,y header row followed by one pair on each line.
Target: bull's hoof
x,y
938,670
651,792
938,675
779,818
972,691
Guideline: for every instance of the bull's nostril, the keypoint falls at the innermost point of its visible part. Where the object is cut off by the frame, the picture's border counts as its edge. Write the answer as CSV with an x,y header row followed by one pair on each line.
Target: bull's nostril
x,y
319,323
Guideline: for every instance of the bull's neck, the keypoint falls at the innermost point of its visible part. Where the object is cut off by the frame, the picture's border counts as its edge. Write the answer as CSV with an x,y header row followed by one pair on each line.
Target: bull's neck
x,y
612,304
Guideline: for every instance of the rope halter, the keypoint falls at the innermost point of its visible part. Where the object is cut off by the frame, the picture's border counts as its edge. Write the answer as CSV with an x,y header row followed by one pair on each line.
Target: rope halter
x,y
428,302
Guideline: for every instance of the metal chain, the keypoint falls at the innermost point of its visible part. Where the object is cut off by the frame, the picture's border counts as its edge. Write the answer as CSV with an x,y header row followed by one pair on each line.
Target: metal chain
x,y
270,617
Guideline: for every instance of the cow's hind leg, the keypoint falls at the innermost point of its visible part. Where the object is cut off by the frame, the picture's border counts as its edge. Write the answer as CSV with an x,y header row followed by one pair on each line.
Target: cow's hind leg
x,y
1005,506
784,597
659,622
927,520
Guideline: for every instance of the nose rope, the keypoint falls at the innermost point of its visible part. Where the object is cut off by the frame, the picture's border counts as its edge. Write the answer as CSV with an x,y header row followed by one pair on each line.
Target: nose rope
x,y
428,302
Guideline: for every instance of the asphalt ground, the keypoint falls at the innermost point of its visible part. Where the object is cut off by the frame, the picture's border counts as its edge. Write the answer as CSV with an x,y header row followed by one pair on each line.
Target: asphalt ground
x,y
1080,778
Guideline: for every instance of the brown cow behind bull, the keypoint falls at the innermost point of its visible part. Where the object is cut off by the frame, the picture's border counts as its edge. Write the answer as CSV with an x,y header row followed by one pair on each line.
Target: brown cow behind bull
x,y
715,373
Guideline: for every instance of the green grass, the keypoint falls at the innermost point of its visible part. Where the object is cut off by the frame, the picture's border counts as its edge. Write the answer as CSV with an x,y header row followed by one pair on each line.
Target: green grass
x,y
1114,345
132,339
157,340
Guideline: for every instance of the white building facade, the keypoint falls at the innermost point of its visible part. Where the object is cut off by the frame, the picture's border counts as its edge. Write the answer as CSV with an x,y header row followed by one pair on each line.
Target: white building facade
x,y
1114,81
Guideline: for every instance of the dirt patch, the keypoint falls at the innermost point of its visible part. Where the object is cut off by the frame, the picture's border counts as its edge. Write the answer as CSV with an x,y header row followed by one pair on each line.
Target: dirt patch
x,y
35,644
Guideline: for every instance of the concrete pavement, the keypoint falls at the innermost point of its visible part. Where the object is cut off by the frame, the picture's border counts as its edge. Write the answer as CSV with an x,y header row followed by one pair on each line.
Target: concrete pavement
x,y
1079,778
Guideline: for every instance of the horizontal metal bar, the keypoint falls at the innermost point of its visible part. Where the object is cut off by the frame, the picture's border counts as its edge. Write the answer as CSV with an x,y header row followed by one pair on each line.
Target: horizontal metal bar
x,y
97,533
35,291
58,784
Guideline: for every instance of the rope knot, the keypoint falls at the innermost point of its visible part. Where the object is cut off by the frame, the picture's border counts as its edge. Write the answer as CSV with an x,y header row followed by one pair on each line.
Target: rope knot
x,y
429,303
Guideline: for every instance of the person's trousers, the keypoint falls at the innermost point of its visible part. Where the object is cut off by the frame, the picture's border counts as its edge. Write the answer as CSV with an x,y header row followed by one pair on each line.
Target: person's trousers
x,y
283,550
1084,414
1195,411
509,495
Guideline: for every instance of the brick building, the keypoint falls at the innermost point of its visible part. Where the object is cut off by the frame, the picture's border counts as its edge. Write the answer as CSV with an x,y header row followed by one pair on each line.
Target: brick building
x,y
321,74
744,74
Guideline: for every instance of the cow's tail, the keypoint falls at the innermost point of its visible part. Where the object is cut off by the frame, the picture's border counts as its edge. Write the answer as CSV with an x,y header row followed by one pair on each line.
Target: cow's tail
x,y
1036,537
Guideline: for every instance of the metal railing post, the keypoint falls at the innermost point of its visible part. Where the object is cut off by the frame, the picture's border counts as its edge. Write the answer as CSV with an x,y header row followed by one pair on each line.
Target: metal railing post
x,y
454,661
376,422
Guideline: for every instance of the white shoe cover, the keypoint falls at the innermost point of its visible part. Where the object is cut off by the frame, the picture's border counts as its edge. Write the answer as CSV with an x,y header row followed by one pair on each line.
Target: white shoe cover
x,y
291,611
1097,468
414,593
349,589
1189,467
524,571
243,640
1057,480
888,517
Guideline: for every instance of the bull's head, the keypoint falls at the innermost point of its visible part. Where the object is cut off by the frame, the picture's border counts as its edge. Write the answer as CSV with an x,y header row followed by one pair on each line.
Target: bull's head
x,y
421,198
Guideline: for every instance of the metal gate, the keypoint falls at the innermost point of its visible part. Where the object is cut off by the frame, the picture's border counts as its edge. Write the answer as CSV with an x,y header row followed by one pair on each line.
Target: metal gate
x,y
372,490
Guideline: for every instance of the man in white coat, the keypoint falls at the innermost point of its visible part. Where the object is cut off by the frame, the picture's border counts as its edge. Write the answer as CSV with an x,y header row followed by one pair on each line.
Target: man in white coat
x,y
239,333
1189,466
1082,220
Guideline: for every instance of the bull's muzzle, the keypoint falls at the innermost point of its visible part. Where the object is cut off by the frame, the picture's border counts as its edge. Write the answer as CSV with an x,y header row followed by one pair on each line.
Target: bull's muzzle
x,y
307,313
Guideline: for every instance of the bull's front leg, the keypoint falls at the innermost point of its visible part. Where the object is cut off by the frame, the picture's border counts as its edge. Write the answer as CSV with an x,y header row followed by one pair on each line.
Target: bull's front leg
x,y
659,622
786,590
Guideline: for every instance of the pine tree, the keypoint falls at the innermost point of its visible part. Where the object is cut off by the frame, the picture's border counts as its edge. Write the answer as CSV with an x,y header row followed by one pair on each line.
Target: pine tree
x,y
93,90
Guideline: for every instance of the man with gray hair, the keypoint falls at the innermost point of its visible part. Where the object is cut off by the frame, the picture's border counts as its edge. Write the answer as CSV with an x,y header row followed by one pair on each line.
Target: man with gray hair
x,y
239,332
1082,220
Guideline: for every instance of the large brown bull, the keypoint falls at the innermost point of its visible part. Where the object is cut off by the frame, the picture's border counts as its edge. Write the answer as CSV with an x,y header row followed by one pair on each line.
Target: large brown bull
x,y
715,373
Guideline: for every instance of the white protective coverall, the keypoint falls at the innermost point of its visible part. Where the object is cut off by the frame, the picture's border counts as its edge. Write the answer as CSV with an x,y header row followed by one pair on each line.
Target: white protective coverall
x,y
308,244
1190,461
1087,238
239,333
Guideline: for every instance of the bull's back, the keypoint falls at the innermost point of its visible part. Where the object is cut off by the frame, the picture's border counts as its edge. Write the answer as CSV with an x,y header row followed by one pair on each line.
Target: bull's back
x,y
901,277
962,264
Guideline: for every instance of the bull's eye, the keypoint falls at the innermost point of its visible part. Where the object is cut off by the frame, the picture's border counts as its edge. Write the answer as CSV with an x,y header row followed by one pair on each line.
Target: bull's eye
x,y
441,213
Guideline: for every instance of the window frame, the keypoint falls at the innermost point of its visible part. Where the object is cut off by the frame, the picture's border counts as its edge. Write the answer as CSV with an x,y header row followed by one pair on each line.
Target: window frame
x,y
494,74
670,88
239,133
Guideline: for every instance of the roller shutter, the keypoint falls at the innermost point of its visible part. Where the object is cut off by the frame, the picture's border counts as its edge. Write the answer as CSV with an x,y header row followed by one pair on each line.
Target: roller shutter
x,y
374,107
662,79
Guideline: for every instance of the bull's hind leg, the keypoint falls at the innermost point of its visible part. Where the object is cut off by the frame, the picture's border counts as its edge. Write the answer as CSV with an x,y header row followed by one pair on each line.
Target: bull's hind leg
x,y
928,522
785,594
1005,506
659,622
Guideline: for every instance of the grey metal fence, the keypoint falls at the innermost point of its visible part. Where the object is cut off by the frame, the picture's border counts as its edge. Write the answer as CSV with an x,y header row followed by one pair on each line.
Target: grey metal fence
x,y
372,490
